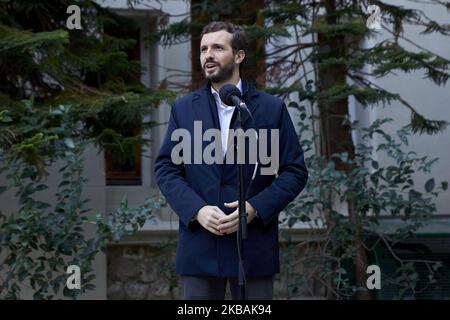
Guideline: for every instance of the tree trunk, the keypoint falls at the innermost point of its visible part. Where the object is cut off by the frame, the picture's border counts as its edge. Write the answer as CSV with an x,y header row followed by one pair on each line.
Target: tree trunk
x,y
335,135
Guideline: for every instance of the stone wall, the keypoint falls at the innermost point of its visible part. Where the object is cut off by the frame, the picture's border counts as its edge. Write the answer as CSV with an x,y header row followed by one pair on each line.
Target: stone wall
x,y
142,272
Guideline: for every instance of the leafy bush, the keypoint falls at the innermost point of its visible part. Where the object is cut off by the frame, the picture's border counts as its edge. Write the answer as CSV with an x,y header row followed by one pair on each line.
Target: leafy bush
x,y
348,196
39,240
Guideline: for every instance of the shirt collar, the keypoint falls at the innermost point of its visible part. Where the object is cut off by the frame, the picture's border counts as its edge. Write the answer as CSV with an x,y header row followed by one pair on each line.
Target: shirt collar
x,y
217,96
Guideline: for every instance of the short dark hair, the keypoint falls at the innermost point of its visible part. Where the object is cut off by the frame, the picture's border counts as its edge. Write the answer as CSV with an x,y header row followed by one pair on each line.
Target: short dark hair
x,y
239,40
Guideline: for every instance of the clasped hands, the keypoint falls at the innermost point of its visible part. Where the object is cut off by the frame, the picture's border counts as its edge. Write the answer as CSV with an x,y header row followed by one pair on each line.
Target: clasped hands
x,y
216,221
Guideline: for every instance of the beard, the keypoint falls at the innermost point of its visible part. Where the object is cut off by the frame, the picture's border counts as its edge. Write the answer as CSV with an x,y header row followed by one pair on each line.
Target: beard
x,y
221,74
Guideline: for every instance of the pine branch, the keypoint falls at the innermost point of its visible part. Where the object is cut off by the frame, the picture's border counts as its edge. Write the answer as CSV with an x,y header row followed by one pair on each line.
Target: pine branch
x,y
419,124
15,39
389,56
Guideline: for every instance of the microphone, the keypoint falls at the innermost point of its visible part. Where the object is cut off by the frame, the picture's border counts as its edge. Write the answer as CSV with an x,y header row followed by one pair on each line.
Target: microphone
x,y
230,95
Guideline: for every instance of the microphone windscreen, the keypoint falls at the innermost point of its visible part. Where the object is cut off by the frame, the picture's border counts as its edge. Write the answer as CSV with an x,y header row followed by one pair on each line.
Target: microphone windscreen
x,y
227,91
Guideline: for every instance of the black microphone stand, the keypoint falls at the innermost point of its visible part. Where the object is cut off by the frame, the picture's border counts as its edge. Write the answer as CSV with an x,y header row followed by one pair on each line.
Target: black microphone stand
x,y
242,227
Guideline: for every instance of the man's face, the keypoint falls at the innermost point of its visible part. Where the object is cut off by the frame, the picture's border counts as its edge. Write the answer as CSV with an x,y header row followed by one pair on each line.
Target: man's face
x,y
216,56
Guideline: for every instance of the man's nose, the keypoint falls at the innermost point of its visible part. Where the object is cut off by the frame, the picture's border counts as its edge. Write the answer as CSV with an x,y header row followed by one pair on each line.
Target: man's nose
x,y
209,54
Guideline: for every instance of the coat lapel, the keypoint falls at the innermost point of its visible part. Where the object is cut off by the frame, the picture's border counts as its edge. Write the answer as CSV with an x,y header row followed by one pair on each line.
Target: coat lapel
x,y
204,108
249,95
205,111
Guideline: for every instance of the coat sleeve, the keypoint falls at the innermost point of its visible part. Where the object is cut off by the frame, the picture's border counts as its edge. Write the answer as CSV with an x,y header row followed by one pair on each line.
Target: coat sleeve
x,y
171,179
292,173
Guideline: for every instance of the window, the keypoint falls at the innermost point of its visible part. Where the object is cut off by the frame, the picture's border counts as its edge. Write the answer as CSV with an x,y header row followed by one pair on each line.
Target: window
x,y
118,170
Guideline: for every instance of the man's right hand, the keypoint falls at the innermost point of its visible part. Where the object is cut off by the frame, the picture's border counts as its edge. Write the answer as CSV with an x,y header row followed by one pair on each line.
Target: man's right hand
x,y
208,217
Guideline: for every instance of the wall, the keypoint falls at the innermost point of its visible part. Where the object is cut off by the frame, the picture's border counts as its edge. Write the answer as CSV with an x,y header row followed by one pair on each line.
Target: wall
x,y
147,271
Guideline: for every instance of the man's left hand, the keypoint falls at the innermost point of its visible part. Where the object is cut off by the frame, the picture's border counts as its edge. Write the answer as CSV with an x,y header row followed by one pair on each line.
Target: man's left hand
x,y
229,224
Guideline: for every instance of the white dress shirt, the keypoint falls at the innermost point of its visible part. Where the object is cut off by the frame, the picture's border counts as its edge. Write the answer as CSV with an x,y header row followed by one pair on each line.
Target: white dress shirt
x,y
225,113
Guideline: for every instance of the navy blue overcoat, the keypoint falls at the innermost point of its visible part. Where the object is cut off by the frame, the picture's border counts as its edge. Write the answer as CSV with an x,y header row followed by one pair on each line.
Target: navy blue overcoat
x,y
189,187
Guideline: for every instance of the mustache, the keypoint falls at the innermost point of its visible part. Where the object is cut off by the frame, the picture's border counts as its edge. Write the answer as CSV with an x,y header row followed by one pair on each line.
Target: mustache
x,y
210,61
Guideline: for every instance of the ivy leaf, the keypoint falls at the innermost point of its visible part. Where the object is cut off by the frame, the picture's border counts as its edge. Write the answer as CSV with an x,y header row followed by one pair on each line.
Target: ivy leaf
x,y
444,185
429,185
375,164
292,221
15,227
341,271
40,187
69,143
6,119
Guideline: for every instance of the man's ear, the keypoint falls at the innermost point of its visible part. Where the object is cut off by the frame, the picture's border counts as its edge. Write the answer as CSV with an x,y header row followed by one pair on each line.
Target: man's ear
x,y
239,56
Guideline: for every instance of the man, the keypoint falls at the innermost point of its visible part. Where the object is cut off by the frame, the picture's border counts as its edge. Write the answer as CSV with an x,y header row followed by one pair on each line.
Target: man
x,y
204,196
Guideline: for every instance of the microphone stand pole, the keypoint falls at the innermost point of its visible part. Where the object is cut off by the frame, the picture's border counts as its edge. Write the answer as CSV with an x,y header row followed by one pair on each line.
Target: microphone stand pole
x,y
242,227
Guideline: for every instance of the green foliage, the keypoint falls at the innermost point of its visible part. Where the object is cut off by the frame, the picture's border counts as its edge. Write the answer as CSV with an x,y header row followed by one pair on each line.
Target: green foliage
x,y
390,57
13,39
376,191
342,28
90,69
62,90
40,240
